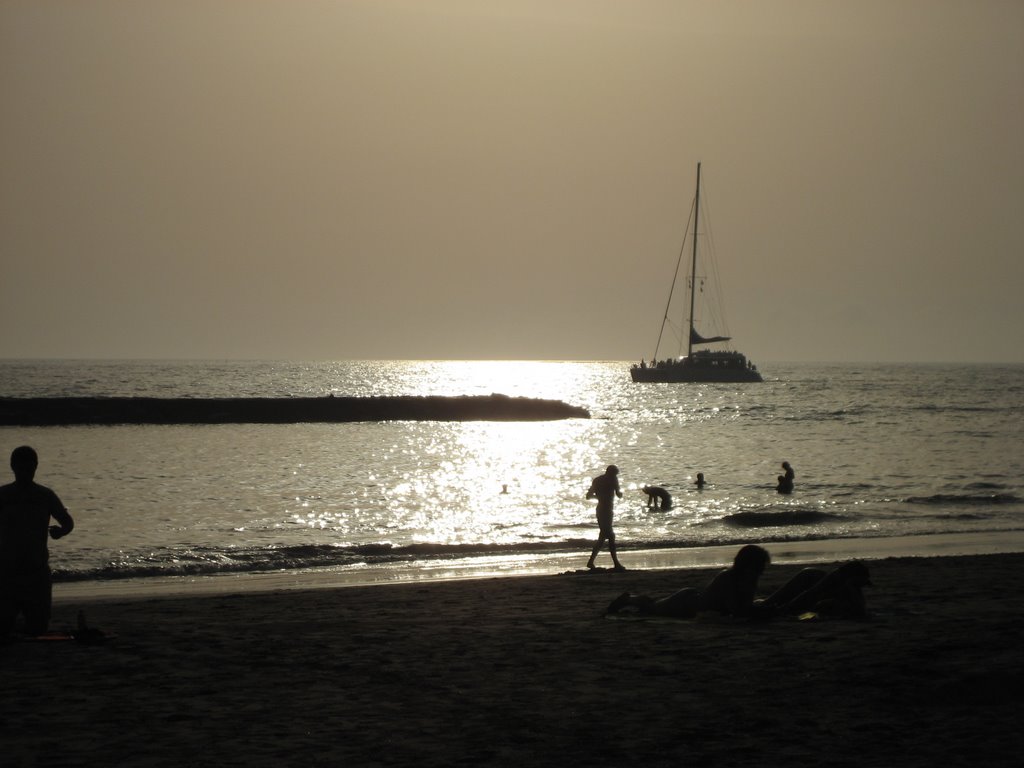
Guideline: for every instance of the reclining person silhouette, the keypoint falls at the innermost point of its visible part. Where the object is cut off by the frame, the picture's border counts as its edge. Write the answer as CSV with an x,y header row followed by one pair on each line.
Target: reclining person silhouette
x,y
837,593
731,592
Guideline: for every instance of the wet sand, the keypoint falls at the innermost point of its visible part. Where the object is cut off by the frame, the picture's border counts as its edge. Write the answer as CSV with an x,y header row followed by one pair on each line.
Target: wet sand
x,y
527,671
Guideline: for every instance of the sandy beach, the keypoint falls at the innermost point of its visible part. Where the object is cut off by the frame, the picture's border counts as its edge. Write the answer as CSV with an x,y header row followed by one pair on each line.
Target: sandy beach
x,y
528,671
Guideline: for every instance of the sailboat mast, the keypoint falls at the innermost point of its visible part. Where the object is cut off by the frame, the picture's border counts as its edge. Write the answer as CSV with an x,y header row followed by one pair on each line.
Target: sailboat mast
x,y
693,266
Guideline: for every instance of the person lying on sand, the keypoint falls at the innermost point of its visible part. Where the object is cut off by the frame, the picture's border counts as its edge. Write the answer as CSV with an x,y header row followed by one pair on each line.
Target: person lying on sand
x,y
838,593
731,592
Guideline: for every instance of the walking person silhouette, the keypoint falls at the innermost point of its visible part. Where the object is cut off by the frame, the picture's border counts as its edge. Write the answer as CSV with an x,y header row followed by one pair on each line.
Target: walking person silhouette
x,y
605,488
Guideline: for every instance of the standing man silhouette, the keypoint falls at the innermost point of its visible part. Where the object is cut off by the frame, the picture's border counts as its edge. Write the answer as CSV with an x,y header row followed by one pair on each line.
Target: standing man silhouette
x,y
25,511
605,488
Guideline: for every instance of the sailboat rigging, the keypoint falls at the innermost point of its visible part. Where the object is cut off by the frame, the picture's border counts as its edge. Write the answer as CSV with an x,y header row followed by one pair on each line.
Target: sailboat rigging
x,y
696,366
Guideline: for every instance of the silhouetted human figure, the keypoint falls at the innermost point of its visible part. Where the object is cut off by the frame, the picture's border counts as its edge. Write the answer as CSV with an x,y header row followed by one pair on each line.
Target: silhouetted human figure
x,y
25,511
838,593
786,481
657,497
731,592
699,482
605,488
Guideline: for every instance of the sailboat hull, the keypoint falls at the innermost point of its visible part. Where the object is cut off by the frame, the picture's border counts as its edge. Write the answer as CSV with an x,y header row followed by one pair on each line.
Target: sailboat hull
x,y
727,367
698,368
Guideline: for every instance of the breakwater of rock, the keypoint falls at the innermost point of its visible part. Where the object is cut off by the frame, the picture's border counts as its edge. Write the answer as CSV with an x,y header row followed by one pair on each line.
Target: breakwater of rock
x,y
65,411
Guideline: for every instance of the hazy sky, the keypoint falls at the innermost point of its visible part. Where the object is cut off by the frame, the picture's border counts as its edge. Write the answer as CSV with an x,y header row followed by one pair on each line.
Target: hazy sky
x,y
508,178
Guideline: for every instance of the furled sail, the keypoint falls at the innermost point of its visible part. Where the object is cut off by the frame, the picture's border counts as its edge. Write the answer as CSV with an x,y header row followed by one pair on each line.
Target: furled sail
x,y
696,338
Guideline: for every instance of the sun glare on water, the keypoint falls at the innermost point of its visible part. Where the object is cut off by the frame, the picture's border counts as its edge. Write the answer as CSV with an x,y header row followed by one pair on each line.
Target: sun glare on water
x,y
474,482
499,482
496,482
515,378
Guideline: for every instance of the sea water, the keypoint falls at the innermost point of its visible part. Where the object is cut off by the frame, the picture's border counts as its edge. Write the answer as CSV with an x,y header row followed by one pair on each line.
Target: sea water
x,y
880,452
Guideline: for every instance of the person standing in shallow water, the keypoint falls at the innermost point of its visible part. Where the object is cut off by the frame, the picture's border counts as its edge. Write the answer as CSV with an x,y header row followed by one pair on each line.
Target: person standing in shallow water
x,y
605,488
786,481
25,512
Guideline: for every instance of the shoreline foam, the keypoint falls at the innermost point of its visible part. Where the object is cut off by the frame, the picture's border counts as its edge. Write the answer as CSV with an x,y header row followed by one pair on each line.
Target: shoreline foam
x,y
511,566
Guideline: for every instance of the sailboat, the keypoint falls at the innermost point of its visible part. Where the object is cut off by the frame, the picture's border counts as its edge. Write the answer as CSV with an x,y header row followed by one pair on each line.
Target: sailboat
x,y
701,365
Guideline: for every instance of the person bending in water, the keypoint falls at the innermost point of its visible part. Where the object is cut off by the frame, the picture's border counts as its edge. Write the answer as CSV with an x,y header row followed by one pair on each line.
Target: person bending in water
x,y
605,488
731,592
656,494
837,593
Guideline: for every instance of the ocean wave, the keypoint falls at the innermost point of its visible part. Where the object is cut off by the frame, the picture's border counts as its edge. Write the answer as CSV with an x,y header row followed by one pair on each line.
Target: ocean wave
x,y
753,519
209,562
760,525
839,414
984,486
199,563
949,408
957,498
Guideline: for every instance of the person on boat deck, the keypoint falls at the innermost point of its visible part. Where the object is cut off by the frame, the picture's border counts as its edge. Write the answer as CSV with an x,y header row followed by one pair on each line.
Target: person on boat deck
x,y
605,488
656,494
731,592
786,481
700,482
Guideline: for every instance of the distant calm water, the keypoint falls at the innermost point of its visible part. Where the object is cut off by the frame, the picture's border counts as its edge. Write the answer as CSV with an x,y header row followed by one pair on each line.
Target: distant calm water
x,y
879,451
